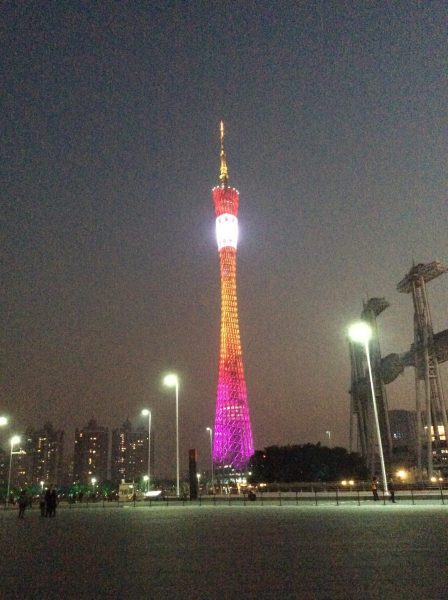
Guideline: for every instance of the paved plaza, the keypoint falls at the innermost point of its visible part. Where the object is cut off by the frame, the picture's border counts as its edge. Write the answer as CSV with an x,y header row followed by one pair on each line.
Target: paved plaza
x,y
227,552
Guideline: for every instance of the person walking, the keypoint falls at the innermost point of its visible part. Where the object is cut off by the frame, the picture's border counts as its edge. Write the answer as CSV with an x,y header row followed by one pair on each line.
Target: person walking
x,y
53,502
48,501
23,503
391,486
374,488
42,504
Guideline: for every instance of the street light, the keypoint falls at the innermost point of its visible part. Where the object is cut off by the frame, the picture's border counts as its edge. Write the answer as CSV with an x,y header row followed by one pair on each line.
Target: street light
x,y
328,434
93,484
146,478
147,413
361,333
171,380
14,441
210,430
3,421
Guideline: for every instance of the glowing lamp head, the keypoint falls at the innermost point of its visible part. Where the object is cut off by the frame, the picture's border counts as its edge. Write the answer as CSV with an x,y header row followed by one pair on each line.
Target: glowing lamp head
x,y
3,421
360,333
171,380
15,440
209,429
93,480
146,412
145,477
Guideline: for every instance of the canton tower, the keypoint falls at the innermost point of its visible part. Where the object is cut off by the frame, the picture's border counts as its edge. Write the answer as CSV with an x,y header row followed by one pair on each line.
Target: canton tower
x,y
233,445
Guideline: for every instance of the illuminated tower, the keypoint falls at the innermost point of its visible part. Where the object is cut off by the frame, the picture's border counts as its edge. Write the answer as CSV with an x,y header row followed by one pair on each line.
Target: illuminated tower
x,y
233,445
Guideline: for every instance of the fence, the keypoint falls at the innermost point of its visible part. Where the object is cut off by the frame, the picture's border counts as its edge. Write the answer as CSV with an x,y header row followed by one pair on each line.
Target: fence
x,y
308,497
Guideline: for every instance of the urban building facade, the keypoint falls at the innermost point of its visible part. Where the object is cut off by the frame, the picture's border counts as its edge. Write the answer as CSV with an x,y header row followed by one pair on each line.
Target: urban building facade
x,y
37,458
91,453
129,456
45,450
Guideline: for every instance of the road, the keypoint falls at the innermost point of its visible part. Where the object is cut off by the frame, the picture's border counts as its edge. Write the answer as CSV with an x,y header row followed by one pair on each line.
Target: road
x,y
211,552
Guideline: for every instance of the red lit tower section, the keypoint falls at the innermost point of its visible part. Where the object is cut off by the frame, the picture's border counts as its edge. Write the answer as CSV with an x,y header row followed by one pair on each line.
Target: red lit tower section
x,y
233,445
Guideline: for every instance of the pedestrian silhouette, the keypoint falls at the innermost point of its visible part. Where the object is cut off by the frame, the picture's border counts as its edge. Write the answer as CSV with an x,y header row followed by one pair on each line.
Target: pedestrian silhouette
x,y
53,500
374,488
23,503
390,485
47,501
42,504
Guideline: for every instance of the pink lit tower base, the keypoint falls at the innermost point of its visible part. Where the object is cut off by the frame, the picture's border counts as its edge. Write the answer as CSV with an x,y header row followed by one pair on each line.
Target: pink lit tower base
x,y
233,445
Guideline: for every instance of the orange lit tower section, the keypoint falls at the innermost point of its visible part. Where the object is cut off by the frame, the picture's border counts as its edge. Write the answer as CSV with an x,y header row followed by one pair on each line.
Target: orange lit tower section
x,y
233,445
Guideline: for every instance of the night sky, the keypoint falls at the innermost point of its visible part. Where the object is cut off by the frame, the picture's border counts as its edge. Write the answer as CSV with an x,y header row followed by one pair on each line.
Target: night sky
x,y
336,137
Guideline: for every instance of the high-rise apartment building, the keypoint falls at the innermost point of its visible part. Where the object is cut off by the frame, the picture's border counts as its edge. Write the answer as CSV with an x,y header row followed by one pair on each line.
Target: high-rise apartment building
x,y
129,458
44,449
91,453
38,457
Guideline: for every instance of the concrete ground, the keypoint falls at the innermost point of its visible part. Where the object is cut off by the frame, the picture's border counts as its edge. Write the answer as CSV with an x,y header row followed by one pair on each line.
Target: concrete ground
x,y
210,552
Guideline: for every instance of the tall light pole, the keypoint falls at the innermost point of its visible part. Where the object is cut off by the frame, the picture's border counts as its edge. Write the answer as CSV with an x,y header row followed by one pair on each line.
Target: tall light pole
x,y
361,333
328,434
172,380
147,413
14,440
210,431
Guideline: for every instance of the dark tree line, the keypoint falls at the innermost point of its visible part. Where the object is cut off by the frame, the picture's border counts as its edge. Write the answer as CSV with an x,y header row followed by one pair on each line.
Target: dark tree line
x,y
308,462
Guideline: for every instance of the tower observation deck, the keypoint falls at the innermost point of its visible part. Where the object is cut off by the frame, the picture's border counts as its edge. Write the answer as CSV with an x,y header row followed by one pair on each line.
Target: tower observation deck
x,y
232,445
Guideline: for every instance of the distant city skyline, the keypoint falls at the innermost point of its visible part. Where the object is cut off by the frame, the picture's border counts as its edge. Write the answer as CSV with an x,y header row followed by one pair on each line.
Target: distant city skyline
x,y
337,140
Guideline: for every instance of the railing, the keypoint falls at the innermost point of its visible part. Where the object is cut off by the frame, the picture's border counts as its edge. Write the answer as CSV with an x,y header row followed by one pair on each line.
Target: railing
x,y
335,496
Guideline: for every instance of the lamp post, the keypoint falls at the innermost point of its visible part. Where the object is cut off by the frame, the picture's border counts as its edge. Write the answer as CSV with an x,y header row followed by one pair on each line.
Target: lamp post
x,y
361,333
210,431
171,380
328,434
146,478
93,485
147,413
14,440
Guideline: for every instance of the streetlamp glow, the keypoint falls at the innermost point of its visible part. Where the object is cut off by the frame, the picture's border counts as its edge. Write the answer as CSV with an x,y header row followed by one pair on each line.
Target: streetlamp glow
x,y
210,431
147,413
3,421
172,380
13,441
361,333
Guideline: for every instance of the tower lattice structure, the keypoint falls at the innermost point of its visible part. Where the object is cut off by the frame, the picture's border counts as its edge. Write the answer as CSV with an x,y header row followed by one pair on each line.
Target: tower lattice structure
x,y
431,409
233,444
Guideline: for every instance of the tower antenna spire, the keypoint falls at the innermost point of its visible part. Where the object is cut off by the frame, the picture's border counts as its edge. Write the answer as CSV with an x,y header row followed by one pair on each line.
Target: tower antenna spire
x,y
223,175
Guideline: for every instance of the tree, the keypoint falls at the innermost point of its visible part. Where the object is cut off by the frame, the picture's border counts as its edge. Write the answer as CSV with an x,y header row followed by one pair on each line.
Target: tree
x,y
307,462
